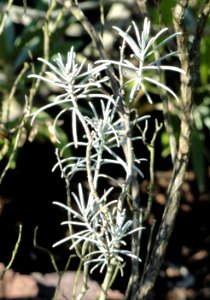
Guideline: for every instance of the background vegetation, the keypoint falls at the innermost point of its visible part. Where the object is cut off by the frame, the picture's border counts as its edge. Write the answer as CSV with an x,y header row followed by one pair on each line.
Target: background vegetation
x,y
42,28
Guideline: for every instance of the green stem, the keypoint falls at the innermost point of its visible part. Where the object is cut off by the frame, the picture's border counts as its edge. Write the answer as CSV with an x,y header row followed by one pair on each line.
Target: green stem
x,y
4,19
76,280
14,253
16,142
46,30
151,148
85,282
107,280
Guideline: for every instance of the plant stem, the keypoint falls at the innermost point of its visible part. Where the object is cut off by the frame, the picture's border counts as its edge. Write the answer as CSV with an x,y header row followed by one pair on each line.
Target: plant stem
x,y
17,140
151,148
46,29
4,19
14,253
189,63
108,278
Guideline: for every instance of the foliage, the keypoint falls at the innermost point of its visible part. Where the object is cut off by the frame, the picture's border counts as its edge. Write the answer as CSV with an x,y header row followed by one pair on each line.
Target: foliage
x,y
104,221
107,93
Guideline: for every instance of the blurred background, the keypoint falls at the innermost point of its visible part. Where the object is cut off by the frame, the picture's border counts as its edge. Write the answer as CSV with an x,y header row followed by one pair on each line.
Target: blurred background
x,y
42,28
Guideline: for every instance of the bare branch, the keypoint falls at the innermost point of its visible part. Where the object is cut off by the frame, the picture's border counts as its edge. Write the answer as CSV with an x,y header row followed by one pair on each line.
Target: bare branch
x,y
189,62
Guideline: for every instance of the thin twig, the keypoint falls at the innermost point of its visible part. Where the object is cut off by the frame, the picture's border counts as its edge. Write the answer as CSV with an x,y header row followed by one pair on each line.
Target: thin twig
x,y
53,261
14,253
80,16
76,280
151,148
46,46
14,87
5,16
17,139
84,283
68,202
46,30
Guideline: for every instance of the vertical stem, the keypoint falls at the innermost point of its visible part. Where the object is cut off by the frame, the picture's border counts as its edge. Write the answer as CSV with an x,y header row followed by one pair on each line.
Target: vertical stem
x,y
46,29
14,87
169,127
14,253
189,62
76,280
132,182
102,12
46,48
84,283
97,168
17,139
107,280
151,148
79,15
4,19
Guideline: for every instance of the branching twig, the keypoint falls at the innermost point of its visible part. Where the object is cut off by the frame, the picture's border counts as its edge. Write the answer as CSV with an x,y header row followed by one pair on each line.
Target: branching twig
x,y
53,261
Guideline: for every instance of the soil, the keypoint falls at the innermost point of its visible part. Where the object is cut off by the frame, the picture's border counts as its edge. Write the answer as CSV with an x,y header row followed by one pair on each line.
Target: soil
x,y
45,286
185,273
